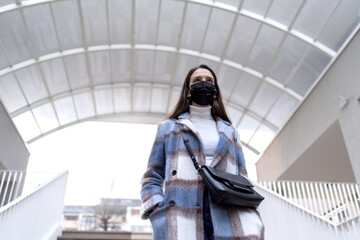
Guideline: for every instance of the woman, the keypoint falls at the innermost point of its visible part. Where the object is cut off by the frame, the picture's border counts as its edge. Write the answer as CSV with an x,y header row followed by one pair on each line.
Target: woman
x,y
173,194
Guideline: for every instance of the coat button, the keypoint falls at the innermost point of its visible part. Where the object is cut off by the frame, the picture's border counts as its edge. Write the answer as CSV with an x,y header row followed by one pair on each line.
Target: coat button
x,y
173,172
172,203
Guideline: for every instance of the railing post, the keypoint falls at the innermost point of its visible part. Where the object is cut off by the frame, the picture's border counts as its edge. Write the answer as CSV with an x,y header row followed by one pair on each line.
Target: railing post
x,y
18,185
6,189
352,201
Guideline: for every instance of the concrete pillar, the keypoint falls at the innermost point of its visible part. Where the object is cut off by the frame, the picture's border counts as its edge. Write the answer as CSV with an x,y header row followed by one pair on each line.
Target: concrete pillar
x,y
14,154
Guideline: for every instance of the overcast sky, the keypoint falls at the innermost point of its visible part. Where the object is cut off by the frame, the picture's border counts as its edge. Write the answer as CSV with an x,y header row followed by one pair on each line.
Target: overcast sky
x,y
104,159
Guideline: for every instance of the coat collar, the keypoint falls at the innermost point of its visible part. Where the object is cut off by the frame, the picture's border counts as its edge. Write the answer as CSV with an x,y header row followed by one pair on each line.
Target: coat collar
x,y
225,134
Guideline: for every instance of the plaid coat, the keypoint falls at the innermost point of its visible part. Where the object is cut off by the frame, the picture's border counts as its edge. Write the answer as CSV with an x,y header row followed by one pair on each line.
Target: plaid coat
x,y
172,182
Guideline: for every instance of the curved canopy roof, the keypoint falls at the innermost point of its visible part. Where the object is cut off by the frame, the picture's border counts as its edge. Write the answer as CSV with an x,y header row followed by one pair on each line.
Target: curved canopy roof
x,y
67,61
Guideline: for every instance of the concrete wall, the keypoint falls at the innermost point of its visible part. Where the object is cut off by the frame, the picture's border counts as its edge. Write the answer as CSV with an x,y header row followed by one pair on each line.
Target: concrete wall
x,y
13,152
317,113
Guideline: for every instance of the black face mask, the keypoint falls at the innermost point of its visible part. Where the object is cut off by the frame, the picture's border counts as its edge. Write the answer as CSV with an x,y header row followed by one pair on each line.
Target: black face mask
x,y
203,93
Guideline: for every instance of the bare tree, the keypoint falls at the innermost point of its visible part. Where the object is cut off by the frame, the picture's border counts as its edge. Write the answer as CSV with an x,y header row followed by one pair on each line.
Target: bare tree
x,y
106,210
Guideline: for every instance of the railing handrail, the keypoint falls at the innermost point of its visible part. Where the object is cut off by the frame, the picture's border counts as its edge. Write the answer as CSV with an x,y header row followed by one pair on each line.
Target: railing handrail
x,y
299,181
295,204
41,204
24,196
334,202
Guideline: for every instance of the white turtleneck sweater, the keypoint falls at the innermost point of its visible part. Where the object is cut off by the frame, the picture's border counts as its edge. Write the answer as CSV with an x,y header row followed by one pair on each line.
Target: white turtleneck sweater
x,y
206,126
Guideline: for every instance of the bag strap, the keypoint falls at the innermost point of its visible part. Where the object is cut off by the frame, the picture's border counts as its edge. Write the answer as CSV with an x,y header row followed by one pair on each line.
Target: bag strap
x,y
186,141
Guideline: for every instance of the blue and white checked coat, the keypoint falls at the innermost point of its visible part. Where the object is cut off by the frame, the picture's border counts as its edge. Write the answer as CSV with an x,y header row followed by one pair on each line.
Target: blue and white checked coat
x,y
172,182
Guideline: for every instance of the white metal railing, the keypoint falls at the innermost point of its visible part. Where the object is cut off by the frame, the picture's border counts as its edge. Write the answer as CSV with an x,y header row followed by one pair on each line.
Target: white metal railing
x,y
36,214
15,183
335,203
284,220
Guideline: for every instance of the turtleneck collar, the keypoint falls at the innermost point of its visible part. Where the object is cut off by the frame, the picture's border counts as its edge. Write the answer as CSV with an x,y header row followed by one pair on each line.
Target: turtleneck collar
x,y
200,113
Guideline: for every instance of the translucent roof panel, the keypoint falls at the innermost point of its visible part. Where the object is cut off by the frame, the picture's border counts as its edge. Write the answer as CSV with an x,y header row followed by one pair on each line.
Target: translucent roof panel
x,y
100,67
55,75
121,65
13,37
68,24
264,48
244,89
283,108
288,59
119,19
64,62
258,7
65,109
144,97
77,70
3,61
248,127
308,71
122,99
11,94
227,79
146,24
95,21
284,11
184,63
234,113
343,21
217,32
196,22
170,23
159,101
6,2
41,28
174,96
46,117
262,138
164,64
27,125
84,104
313,17
104,101
144,61
242,39
264,99
32,83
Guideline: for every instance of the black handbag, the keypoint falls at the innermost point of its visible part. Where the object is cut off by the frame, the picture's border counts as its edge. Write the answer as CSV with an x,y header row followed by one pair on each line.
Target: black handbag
x,y
225,188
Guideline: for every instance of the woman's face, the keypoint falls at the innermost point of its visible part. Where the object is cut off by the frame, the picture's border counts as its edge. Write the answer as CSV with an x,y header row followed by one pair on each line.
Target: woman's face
x,y
201,74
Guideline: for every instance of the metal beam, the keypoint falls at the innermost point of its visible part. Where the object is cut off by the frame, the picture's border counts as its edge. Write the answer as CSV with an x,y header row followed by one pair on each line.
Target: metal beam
x,y
269,22
150,86
226,62
87,60
155,53
27,29
132,75
312,41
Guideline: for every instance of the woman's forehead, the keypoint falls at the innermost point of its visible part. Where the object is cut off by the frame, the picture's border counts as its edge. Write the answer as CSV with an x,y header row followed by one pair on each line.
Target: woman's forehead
x,y
202,72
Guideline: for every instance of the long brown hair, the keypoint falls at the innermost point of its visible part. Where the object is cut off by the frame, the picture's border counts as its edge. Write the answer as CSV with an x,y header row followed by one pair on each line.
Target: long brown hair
x,y
182,105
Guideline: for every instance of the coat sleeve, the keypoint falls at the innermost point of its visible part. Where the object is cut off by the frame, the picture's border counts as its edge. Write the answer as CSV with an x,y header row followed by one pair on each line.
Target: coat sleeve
x,y
240,155
153,178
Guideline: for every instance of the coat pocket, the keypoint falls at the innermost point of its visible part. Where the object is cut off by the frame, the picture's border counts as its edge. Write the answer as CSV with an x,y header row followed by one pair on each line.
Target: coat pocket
x,y
159,223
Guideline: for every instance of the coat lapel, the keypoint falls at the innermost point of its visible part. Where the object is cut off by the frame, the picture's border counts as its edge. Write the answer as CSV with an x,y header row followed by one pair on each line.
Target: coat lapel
x,y
185,120
225,136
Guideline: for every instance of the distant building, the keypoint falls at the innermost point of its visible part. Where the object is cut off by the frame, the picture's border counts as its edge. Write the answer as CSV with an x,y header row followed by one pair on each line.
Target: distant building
x,y
85,218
